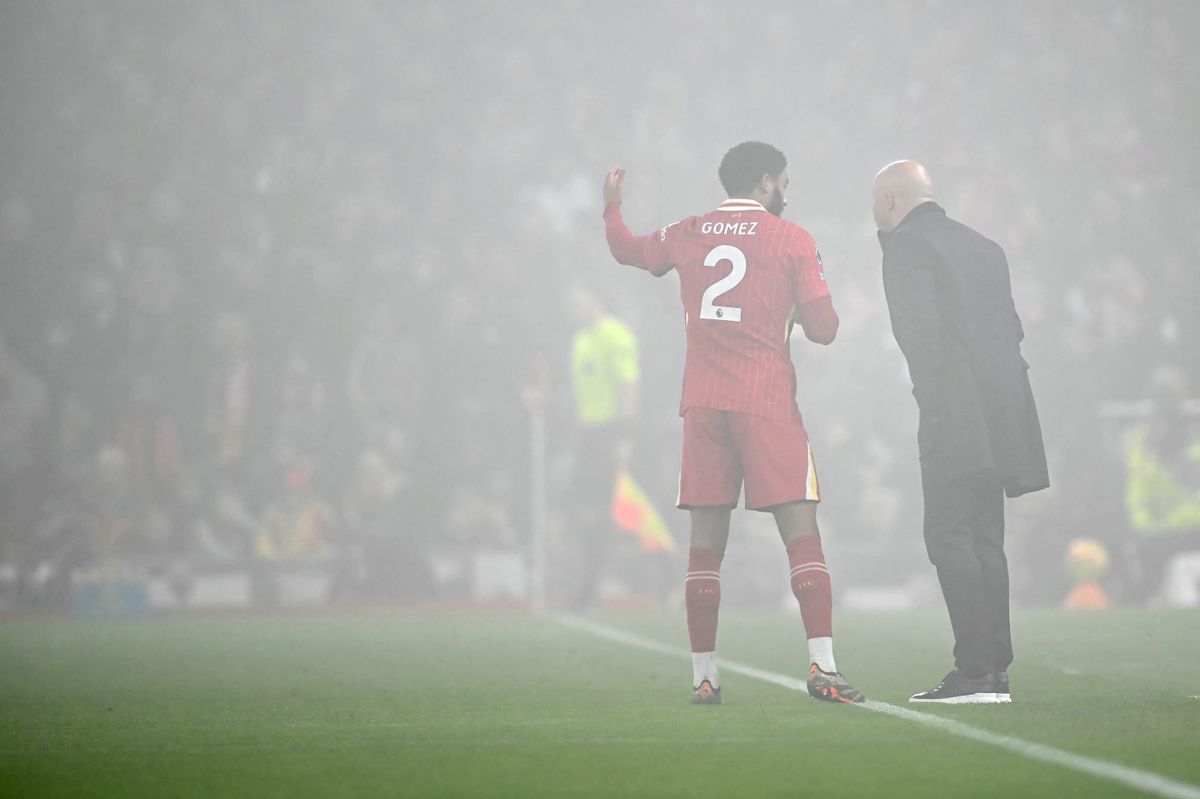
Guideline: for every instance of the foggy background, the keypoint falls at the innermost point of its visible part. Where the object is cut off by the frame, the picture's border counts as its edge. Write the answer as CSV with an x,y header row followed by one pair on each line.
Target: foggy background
x,y
273,275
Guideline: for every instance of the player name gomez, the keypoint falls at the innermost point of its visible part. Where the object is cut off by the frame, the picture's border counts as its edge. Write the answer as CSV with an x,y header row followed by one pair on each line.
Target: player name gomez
x,y
730,228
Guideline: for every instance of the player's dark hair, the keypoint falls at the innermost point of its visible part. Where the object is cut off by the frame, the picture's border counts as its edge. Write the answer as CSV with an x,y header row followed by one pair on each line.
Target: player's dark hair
x,y
745,164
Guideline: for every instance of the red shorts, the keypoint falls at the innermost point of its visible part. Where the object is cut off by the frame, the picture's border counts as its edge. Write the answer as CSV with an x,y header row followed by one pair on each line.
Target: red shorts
x,y
723,448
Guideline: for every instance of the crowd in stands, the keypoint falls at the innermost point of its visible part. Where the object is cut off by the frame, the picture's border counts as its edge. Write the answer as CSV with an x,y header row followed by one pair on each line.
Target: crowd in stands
x,y
273,276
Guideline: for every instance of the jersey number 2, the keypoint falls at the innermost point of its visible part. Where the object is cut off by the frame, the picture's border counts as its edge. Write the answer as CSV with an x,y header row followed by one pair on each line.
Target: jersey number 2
x,y
726,313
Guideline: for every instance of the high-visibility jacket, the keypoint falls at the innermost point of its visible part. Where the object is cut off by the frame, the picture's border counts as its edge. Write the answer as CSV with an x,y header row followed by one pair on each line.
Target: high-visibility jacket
x,y
1157,498
604,360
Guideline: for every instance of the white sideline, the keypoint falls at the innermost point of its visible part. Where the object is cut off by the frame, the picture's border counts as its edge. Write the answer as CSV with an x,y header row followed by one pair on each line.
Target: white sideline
x,y
1146,781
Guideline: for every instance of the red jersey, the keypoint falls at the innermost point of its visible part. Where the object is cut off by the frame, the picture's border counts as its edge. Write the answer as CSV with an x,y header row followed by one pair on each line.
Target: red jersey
x,y
743,272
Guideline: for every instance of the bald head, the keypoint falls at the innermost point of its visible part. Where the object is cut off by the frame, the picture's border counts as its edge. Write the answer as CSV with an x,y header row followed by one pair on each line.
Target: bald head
x,y
900,187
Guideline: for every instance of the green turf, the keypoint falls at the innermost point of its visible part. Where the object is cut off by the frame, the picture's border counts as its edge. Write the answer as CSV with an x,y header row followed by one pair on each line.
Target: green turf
x,y
482,705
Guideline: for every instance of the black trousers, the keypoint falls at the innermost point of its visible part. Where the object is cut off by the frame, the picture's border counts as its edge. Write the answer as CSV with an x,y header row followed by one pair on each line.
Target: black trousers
x,y
964,535
592,525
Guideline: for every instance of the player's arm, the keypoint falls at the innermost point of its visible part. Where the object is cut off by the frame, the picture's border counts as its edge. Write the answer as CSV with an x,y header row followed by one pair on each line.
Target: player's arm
x,y
645,252
818,319
910,283
810,293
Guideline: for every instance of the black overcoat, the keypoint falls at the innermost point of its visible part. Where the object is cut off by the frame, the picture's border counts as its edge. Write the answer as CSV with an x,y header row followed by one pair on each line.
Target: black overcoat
x,y
950,298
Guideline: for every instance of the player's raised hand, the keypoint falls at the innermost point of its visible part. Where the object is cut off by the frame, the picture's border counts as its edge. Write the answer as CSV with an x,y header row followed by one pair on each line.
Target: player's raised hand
x,y
614,185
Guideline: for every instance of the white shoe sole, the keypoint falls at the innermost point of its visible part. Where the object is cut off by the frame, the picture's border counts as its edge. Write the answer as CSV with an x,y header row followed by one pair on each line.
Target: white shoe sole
x,y
966,699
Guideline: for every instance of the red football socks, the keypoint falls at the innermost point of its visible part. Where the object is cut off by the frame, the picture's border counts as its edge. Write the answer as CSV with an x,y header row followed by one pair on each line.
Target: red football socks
x,y
810,584
702,595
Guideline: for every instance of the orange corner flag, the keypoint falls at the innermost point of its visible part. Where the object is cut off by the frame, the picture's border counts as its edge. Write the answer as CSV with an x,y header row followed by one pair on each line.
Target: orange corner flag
x,y
634,514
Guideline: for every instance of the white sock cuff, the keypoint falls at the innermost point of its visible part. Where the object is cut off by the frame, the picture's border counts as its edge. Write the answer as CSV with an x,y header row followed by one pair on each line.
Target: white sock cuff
x,y
820,651
704,667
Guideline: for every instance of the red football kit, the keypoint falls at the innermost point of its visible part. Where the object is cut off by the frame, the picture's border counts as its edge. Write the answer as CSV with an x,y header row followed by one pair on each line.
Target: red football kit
x,y
744,276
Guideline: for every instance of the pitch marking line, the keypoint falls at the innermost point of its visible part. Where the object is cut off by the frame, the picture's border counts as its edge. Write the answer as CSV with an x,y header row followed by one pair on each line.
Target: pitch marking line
x,y
1146,781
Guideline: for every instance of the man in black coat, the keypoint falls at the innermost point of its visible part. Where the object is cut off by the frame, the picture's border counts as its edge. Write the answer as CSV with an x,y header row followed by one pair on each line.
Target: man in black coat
x,y
950,300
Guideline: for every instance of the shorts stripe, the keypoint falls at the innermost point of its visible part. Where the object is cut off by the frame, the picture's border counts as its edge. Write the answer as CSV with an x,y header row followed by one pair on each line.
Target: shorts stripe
x,y
812,491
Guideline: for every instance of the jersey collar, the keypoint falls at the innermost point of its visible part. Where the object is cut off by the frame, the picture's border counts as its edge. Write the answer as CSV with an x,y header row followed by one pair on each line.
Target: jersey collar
x,y
736,204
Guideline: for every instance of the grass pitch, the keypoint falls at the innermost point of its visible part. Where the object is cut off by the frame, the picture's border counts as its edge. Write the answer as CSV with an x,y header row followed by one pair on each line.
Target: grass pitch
x,y
517,706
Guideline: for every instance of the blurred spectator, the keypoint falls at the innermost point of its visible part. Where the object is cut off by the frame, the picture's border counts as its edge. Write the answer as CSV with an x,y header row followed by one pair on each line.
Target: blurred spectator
x,y
480,514
225,527
150,436
302,526
392,552
229,407
1162,489
299,415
